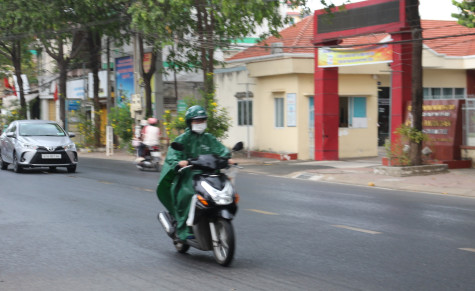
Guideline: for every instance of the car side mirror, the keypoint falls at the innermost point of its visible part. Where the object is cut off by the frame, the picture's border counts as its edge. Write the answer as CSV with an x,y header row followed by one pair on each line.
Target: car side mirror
x,y
11,134
71,134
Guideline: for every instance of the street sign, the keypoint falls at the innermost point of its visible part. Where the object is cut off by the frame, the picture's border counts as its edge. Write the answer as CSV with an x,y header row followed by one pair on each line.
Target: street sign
x,y
181,106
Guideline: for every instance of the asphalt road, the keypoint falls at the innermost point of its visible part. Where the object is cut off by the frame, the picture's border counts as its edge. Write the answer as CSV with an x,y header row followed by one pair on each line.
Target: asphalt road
x,y
97,230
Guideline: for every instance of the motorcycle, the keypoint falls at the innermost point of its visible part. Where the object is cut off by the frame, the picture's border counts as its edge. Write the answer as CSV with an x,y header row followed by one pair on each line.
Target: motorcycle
x,y
213,207
151,160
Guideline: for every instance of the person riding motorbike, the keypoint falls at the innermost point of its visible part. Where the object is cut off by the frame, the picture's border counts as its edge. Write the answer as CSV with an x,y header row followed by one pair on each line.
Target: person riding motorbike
x,y
150,136
176,191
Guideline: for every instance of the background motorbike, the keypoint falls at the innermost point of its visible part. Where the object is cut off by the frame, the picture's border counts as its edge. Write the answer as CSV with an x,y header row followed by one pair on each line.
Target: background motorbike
x,y
213,207
152,159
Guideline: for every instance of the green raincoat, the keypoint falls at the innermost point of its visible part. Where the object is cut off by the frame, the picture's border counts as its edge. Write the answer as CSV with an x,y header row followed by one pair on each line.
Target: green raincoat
x,y
175,191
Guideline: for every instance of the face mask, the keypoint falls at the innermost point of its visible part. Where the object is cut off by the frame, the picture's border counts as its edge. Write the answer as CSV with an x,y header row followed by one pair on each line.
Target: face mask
x,y
199,128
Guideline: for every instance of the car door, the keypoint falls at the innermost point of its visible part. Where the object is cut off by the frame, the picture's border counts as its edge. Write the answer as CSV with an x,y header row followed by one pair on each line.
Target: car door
x,y
8,144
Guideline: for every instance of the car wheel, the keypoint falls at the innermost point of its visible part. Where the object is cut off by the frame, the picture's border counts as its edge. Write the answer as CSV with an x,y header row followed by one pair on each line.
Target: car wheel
x,y
3,164
16,167
72,169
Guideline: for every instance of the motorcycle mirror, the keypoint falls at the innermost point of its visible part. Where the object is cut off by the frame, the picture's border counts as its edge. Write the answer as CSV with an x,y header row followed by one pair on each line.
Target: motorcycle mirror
x,y
177,146
239,146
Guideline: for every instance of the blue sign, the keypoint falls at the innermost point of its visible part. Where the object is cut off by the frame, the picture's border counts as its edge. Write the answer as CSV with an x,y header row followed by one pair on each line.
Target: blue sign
x,y
124,79
74,105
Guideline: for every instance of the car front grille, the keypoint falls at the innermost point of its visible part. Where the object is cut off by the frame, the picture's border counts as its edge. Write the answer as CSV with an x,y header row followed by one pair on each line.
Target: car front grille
x,y
38,160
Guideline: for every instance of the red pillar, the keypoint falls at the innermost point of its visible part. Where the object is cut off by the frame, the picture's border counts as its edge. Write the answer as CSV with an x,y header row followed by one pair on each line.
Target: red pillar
x,y
326,102
401,80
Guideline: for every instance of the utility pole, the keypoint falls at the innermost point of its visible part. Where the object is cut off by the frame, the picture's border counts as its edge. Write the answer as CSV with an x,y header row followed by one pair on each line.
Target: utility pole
x,y
159,102
109,130
414,20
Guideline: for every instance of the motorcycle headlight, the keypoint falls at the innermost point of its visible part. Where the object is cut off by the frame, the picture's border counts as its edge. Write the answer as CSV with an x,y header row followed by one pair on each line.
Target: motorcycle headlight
x,y
28,146
71,147
220,197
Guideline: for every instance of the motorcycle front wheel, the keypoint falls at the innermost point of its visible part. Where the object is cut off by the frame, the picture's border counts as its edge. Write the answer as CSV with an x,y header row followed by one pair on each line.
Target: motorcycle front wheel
x,y
223,249
181,247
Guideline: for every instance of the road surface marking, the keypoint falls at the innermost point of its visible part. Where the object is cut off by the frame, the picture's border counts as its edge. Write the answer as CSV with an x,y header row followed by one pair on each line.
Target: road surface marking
x,y
262,211
467,249
357,229
144,189
105,182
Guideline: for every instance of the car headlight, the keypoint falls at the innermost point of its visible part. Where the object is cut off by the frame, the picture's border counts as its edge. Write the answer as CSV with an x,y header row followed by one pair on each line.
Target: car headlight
x,y
70,146
28,146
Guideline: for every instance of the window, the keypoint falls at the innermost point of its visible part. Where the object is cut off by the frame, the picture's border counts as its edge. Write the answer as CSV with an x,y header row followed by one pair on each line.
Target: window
x,y
436,93
279,112
459,93
243,113
353,112
443,93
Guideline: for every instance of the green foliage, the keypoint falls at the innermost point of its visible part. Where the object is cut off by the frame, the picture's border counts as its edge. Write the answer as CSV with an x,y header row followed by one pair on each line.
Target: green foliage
x,y
466,16
197,28
86,130
218,117
411,134
400,149
122,123
395,151
15,113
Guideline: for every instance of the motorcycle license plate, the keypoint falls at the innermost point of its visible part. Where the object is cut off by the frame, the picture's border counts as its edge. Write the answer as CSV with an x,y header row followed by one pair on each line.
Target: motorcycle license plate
x,y
156,154
51,156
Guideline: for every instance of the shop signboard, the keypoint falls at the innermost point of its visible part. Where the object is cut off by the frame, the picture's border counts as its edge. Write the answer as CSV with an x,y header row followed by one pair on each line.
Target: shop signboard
x,y
333,57
124,78
442,123
75,89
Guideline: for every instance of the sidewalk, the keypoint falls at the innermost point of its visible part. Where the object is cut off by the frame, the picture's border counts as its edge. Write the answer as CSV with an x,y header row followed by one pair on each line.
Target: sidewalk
x,y
460,182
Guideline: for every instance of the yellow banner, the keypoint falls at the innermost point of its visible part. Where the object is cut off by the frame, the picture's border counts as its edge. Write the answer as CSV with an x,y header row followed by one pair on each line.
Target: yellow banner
x,y
334,57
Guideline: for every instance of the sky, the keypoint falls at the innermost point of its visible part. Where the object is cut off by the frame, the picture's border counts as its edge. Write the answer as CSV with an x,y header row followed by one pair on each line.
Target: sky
x,y
428,9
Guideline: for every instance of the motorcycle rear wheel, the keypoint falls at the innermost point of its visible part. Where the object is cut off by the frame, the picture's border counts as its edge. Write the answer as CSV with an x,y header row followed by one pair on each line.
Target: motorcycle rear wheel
x,y
224,249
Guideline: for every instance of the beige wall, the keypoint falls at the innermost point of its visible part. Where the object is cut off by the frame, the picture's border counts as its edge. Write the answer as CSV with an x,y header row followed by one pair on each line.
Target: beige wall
x,y
281,67
269,137
228,83
431,59
444,78
360,142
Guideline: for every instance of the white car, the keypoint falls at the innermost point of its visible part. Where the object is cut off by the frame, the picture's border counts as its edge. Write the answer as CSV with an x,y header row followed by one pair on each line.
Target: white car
x,y
37,143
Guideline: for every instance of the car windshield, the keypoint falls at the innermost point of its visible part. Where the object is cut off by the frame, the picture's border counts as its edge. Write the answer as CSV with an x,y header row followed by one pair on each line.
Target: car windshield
x,y
41,129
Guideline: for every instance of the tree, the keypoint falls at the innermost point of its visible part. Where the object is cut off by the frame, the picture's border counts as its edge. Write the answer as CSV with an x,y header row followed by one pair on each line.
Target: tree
x,y
467,10
147,76
415,135
150,22
61,35
101,18
199,27
14,21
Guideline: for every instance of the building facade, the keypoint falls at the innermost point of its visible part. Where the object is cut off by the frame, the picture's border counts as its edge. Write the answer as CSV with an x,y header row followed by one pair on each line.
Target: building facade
x,y
279,75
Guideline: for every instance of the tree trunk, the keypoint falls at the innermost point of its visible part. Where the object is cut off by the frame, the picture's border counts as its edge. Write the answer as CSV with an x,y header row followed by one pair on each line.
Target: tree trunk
x,y
147,77
412,8
16,59
94,40
203,39
63,77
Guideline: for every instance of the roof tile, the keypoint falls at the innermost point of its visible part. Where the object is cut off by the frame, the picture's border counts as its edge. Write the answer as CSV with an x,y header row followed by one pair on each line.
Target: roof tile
x,y
298,39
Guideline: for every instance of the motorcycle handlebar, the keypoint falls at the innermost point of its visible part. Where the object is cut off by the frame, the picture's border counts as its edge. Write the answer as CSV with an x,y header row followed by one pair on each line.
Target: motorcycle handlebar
x,y
190,166
183,168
